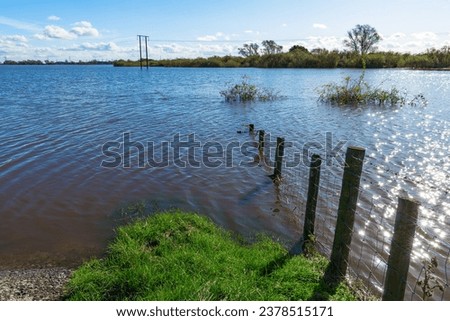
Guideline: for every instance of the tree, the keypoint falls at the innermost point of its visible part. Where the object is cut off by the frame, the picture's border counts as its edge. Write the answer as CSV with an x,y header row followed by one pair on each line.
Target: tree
x,y
271,47
319,51
249,49
298,49
362,39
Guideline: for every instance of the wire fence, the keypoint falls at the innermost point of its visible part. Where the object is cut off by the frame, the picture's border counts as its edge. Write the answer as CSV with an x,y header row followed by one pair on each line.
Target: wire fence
x,y
372,238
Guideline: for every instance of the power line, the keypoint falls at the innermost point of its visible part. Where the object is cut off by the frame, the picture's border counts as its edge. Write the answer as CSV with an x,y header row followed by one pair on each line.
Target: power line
x,y
224,41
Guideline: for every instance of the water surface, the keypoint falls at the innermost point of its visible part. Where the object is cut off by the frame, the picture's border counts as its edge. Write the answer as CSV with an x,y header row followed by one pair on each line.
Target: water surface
x,y
59,206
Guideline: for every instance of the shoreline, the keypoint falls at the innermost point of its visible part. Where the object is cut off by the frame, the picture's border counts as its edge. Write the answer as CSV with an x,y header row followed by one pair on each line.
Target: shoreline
x,y
34,284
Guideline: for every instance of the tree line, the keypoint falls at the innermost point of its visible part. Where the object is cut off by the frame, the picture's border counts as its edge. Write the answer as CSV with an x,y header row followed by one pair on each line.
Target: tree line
x,y
49,62
300,57
360,52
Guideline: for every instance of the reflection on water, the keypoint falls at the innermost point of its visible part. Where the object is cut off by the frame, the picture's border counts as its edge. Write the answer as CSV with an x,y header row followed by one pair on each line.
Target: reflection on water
x,y
57,203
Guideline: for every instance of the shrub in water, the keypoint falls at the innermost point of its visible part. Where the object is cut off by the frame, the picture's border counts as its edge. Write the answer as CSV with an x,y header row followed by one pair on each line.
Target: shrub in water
x,y
359,92
247,92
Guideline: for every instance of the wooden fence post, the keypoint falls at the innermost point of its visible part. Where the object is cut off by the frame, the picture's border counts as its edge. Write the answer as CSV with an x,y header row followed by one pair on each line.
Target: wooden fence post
x,y
251,128
262,134
279,158
346,214
311,202
401,247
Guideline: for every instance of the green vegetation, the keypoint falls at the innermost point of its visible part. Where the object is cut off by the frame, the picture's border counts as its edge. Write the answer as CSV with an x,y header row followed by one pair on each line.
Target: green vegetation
x,y
182,256
361,41
430,282
300,57
247,92
359,92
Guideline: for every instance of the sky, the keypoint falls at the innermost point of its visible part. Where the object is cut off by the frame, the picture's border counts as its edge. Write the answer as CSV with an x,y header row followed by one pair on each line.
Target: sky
x,y
107,30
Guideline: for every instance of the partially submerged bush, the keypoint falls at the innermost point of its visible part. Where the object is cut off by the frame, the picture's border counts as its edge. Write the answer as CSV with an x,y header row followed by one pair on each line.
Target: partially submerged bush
x,y
247,92
359,92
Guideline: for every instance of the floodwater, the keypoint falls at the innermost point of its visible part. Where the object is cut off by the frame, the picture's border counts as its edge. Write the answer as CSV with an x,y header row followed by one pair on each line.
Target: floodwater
x,y
78,144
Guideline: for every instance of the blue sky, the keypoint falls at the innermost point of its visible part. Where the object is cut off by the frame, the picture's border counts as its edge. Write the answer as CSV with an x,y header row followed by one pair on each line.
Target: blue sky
x,y
97,29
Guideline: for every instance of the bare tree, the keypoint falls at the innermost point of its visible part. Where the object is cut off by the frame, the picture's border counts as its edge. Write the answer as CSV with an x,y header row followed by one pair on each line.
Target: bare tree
x,y
271,47
249,49
362,39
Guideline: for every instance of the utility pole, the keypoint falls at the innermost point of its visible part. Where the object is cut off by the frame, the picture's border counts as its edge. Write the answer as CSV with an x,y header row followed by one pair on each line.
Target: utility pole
x,y
140,49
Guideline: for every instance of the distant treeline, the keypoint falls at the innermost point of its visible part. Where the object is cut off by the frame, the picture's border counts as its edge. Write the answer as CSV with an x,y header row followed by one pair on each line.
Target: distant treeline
x,y
297,57
48,62
300,57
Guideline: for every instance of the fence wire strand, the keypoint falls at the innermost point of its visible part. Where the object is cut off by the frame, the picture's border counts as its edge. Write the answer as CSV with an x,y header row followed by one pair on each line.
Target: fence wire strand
x,y
374,225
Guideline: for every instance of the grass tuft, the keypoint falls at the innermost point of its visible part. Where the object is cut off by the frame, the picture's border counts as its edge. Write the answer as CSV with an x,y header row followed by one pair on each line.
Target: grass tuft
x,y
182,256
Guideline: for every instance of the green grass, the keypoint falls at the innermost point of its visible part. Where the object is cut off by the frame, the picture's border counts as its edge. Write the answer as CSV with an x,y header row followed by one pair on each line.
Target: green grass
x,y
183,256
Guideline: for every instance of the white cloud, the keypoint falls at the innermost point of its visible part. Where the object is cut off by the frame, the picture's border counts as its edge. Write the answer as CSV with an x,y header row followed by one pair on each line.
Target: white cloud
x,y
319,26
207,38
40,36
284,25
252,32
427,35
216,49
218,36
85,52
84,28
53,18
80,29
414,42
56,32
15,38
329,43
101,46
397,35
13,46
173,48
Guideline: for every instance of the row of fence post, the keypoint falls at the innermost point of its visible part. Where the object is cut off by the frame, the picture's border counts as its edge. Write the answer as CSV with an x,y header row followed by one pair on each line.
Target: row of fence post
x,y
404,229
279,152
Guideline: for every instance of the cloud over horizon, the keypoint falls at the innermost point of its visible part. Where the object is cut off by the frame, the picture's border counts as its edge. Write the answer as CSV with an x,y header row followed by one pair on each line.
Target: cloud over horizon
x,y
319,26
79,29
101,46
84,29
218,36
27,41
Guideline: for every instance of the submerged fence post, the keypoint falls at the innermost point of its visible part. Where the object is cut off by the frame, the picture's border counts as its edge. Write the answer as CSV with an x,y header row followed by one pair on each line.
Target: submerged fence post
x,y
262,134
251,128
346,214
279,158
401,247
311,202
